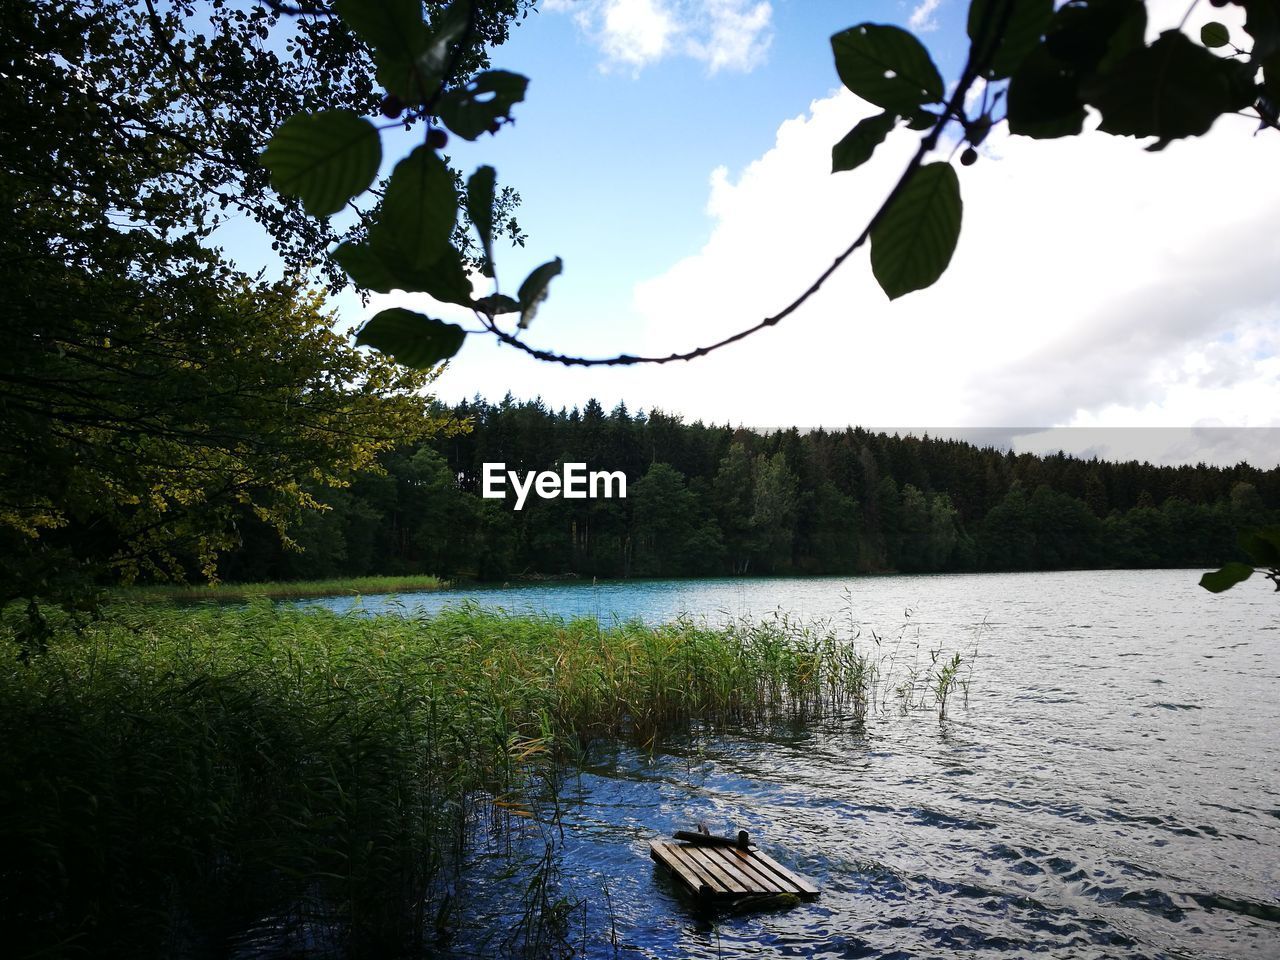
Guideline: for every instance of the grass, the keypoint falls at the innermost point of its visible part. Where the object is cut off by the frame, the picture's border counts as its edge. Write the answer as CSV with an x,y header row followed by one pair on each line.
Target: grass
x,y
174,778
280,590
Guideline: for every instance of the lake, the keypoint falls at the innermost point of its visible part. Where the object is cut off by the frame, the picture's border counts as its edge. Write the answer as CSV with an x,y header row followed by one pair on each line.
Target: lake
x,y
1109,786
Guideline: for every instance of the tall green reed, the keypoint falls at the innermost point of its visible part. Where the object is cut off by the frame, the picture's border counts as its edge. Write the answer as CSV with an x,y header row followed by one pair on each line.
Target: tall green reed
x,y
174,778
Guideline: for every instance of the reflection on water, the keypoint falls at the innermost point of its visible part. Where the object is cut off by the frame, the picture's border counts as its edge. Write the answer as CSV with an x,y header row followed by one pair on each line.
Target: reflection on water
x,y
1110,787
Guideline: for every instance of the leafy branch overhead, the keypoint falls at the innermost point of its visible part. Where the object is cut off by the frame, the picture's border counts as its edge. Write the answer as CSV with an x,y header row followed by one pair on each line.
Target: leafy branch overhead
x,y
1262,546
1040,70
330,157
1048,67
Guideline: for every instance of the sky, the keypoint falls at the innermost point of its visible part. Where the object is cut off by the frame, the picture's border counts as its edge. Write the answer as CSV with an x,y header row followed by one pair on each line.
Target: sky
x,y
676,155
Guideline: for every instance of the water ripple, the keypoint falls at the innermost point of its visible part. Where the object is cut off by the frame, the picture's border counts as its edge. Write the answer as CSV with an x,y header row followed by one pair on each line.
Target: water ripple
x,y
1110,788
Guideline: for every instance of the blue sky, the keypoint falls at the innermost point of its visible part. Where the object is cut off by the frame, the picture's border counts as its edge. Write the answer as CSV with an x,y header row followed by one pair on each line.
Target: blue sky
x,y
612,154
676,154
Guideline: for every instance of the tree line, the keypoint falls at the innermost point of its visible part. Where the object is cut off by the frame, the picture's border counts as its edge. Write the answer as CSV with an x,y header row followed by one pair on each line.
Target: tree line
x,y
707,500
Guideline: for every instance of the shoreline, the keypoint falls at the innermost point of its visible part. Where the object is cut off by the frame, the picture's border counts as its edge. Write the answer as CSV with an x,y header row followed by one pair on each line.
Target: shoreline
x,y
282,589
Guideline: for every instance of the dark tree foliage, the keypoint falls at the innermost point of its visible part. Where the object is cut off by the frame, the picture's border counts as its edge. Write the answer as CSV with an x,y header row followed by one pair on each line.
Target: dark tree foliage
x,y
149,392
145,407
705,500
153,114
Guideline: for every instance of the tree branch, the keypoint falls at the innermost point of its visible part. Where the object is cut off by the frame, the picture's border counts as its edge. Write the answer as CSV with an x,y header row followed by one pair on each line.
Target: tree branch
x,y
976,65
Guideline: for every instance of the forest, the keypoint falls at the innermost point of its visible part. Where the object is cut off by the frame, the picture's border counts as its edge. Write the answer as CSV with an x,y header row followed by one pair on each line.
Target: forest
x,y
710,501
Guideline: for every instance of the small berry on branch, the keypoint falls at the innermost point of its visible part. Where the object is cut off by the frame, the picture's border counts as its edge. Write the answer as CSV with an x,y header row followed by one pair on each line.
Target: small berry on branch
x,y
392,106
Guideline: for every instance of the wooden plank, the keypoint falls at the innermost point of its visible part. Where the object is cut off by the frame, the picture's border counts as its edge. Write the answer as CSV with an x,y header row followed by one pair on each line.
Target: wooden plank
x,y
685,877
801,883
772,882
663,854
712,865
737,880
708,883
722,872
692,874
754,879
719,885
760,879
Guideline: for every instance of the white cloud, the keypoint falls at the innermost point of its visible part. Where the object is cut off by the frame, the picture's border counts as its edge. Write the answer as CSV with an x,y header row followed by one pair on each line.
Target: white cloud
x,y
1095,284
922,16
636,32
723,34
736,35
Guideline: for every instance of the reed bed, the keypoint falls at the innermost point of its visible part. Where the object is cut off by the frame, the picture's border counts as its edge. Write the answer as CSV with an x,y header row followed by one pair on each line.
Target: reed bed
x,y
174,780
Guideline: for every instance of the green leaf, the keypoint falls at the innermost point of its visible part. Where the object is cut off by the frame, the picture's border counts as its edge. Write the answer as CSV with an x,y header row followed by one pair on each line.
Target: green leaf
x,y
449,26
1227,577
392,28
534,289
408,78
405,78
418,210
1082,38
409,246
380,267
480,189
1044,99
886,66
446,279
1089,35
1214,34
921,120
1262,545
1262,22
373,266
497,303
1025,26
471,110
323,158
414,68
912,243
1174,88
365,268
1271,78
413,339
860,143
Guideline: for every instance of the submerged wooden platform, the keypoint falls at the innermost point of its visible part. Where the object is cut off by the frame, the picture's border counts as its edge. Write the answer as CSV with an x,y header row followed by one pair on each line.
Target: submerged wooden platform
x,y
729,873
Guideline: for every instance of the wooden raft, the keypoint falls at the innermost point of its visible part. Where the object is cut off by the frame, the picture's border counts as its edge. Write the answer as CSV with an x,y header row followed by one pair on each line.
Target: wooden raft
x,y
728,872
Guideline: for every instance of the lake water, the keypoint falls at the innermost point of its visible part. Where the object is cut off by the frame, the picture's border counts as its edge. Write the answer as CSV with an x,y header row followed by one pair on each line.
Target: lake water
x,y
1110,787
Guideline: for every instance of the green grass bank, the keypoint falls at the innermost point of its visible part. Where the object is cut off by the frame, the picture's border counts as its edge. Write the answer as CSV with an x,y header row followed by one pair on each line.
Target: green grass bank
x,y
278,590
173,776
